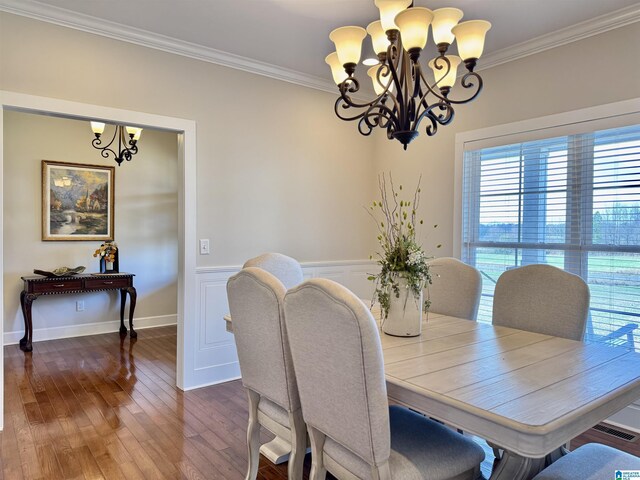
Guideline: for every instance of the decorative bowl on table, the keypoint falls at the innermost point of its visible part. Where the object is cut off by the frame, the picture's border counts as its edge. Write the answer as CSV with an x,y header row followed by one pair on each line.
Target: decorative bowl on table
x,y
60,272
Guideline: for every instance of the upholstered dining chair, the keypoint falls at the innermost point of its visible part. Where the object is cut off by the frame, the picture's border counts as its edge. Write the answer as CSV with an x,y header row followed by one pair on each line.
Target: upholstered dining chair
x,y
285,269
542,299
590,462
455,288
255,300
338,363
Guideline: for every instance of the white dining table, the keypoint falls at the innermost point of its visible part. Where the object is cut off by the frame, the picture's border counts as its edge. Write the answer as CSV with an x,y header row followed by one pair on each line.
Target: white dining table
x,y
525,392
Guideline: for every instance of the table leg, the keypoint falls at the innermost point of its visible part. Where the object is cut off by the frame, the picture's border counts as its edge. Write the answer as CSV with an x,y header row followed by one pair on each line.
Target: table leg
x,y
132,306
26,300
515,467
123,301
23,340
557,454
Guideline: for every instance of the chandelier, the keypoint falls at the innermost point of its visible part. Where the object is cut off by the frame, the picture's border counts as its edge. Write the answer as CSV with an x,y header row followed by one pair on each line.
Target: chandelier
x,y
127,147
405,97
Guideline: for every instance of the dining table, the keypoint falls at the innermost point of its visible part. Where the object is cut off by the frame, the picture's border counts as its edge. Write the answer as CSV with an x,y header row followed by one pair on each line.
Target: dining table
x,y
526,393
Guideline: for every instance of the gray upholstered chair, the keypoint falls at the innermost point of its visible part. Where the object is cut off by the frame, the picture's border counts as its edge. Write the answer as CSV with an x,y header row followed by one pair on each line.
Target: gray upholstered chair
x,y
285,269
339,367
590,462
542,299
255,300
455,288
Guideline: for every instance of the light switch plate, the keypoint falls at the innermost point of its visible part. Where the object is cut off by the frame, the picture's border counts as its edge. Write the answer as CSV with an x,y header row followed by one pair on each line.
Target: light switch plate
x,y
204,246
80,306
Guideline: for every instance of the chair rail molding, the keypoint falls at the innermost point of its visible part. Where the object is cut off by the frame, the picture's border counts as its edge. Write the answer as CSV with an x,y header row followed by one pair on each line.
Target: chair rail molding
x,y
215,354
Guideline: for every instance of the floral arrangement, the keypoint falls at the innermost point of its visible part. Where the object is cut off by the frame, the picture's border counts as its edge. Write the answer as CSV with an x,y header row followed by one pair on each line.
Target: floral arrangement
x,y
401,256
107,251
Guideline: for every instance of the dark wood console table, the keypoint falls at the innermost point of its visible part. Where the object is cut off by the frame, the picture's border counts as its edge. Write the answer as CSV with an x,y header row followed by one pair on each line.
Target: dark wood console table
x,y
37,285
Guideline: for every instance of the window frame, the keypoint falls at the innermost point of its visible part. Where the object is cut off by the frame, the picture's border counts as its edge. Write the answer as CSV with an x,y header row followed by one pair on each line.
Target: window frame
x,y
602,117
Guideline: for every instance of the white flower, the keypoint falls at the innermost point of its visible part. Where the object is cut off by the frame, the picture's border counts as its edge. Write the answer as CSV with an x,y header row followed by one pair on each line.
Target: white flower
x,y
416,257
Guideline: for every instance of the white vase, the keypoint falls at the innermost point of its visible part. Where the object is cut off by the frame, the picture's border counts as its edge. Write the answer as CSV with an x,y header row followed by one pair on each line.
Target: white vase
x,y
405,312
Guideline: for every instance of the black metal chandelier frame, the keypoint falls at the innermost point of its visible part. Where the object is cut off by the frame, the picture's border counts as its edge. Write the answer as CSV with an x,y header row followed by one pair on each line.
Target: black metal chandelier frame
x,y
127,147
401,113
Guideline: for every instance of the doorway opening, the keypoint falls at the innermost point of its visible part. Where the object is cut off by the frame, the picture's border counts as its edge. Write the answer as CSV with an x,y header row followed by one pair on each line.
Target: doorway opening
x,y
184,136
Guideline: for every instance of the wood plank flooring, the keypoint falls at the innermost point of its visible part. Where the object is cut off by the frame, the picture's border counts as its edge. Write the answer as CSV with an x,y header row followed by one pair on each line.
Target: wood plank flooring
x,y
102,407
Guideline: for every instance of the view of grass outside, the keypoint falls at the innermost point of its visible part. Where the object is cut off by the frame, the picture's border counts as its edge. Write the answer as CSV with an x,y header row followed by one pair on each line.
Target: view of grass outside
x,y
571,202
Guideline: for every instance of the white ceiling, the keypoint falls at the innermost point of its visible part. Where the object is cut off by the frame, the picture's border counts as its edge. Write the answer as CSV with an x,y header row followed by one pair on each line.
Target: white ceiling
x,y
294,33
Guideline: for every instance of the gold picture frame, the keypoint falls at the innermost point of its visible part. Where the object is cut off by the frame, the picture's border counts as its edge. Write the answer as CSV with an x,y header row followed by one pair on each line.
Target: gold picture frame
x,y
77,201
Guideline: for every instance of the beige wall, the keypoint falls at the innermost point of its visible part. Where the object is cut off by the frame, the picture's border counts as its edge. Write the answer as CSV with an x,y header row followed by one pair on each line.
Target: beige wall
x,y
595,71
276,170
146,218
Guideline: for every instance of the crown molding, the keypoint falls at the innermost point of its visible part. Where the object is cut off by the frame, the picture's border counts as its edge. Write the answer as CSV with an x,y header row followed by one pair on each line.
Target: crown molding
x,y
86,23
595,26
89,24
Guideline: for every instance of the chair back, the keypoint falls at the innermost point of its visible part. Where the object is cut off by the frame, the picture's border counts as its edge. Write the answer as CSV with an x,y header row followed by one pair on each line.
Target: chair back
x,y
455,288
542,299
255,302
339,367
285,269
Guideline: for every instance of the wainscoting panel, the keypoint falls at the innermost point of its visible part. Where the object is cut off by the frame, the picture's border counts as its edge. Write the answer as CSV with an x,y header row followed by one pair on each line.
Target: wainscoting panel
x,y
215,356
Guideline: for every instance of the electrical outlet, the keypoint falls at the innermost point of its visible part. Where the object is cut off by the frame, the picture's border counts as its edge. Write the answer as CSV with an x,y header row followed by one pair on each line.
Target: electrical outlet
x,y
80,306
204,246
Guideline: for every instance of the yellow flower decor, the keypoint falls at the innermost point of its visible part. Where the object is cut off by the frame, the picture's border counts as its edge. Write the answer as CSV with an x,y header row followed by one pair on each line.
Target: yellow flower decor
x,y
107,251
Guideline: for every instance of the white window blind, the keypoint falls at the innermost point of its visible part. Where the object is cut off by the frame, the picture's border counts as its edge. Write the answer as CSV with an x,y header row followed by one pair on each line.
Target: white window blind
x,y
570,201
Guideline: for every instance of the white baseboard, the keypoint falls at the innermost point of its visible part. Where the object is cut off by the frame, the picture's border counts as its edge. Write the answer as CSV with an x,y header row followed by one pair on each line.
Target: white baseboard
x,y
54,333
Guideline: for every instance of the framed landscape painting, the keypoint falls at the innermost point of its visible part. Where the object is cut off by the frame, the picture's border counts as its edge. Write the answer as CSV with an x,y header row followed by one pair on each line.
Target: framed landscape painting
x,y
77,201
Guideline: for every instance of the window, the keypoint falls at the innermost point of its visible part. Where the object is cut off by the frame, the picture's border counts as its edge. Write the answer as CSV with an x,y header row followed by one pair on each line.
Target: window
x,y
572,202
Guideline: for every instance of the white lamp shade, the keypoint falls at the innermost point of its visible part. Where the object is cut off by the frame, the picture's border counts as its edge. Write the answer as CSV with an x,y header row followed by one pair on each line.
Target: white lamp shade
x,y
444,19
379,39
470,37
414,26
135,131
97,127
385,79
388,11
445,77
337,70
348,41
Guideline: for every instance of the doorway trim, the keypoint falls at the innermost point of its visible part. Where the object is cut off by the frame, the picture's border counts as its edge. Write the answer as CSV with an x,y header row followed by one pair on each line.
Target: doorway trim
x,y
186,131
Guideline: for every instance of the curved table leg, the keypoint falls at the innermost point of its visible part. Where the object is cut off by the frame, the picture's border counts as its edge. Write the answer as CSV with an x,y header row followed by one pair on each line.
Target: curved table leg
x,y
23,340
515,467
123,301
26,300
132,306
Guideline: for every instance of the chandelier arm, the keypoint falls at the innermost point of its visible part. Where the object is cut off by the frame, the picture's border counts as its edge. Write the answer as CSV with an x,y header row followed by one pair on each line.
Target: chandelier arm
x,y
432,89
340,105
417,76
97,142
378,110
387,91
372,119
128,146
383,112
464,81
104,151
444,118
394,59
349,103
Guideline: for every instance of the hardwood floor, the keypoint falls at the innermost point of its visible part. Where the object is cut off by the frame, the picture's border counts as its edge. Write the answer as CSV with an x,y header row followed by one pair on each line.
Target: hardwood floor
x,y
105,407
